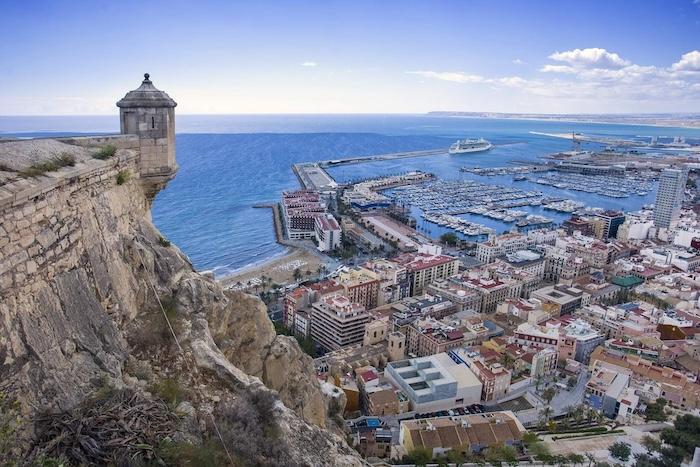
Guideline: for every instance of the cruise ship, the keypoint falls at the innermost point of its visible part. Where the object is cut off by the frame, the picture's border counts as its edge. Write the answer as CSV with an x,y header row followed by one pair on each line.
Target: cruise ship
x,y
463,146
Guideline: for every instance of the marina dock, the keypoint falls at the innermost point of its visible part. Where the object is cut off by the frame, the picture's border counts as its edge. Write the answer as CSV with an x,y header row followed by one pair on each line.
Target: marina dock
x,y
313,176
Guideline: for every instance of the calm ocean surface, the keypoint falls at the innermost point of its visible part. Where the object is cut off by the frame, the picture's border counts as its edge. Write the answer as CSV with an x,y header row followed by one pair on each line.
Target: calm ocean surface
x,y
230,162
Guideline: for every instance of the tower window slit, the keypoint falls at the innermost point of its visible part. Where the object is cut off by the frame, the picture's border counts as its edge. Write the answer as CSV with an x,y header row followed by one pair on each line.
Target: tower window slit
x,y
153,122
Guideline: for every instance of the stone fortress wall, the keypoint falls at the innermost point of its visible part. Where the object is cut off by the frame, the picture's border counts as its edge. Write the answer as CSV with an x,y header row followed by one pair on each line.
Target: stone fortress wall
x,y
40,217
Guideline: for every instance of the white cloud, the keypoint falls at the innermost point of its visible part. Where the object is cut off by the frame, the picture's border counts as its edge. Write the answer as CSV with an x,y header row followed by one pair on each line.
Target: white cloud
x,y
454,76
558,69
689,61
517,61
309,64
595,74
590,58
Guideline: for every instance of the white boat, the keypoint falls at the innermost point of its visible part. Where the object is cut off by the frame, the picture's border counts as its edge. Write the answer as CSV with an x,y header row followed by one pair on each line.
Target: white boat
x,y
464,146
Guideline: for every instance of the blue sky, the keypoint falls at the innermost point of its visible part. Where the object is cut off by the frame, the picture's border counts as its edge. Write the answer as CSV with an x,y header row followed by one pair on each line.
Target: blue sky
x,y
80,57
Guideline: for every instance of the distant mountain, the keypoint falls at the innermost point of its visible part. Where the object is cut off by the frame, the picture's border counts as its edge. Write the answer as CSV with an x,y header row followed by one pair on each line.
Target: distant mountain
x,y
657,119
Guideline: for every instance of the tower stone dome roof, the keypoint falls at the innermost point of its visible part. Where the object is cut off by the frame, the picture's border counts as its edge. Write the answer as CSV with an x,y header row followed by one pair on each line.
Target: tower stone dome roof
x,y
146,95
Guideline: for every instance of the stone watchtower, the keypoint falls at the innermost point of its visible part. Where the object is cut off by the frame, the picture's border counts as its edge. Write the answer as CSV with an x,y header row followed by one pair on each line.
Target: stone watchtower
x,y
150,114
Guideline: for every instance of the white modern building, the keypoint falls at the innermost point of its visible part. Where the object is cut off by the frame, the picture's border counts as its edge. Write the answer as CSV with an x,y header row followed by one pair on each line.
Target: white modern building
x,y
328,232
669,197
435,382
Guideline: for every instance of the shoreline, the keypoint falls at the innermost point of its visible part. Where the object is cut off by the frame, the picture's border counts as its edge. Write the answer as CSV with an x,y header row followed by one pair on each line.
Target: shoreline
x,y
279,268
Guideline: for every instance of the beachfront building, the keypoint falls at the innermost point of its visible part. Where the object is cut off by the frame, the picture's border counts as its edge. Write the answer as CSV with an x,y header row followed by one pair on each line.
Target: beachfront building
x,y
328,233
435,382
361,286
337,322
426,266
300,208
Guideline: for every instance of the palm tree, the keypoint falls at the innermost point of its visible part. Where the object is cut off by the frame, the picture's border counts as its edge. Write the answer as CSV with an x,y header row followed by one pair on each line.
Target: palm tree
x,y
507,360
549,394
578,417
590,457
546,413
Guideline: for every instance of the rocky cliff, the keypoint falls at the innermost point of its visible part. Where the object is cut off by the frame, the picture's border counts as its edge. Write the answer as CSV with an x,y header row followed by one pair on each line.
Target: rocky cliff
x,y
92,297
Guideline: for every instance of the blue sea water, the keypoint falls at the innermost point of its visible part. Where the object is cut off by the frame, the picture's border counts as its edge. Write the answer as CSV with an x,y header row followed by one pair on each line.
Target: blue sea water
x,y
230,162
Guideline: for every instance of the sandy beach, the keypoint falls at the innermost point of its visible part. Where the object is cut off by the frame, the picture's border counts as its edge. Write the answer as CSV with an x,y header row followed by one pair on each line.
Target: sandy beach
x,y
280,270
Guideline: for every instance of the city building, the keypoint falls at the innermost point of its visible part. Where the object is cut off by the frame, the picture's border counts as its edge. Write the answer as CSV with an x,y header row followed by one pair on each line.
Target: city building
x,y
596,290
582,225
572,338
627,320
300,209
361,286
566,299
412,308
494,377
562,266
500,245
669,197
605,388
463,297
436,382
653,381
428,336
467,434
375,331
393,280
492,291
427,266
328,232
337,322
543,362
612,220
294,301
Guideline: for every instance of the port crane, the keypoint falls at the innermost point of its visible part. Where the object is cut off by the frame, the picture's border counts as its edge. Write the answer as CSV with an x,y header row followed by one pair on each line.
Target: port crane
x,y
575,143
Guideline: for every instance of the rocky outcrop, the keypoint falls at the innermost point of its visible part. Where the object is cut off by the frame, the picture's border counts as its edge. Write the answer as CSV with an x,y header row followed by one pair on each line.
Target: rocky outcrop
x,y
277,360
86,284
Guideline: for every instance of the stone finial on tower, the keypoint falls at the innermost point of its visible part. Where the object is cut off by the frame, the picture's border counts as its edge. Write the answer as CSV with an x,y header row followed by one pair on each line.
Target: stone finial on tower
x,y
150,114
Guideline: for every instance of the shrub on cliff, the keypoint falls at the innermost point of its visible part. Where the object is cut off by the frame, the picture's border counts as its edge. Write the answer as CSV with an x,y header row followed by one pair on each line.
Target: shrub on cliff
x,y
123,176
10,423
39,168
169,390
249,429
105,152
